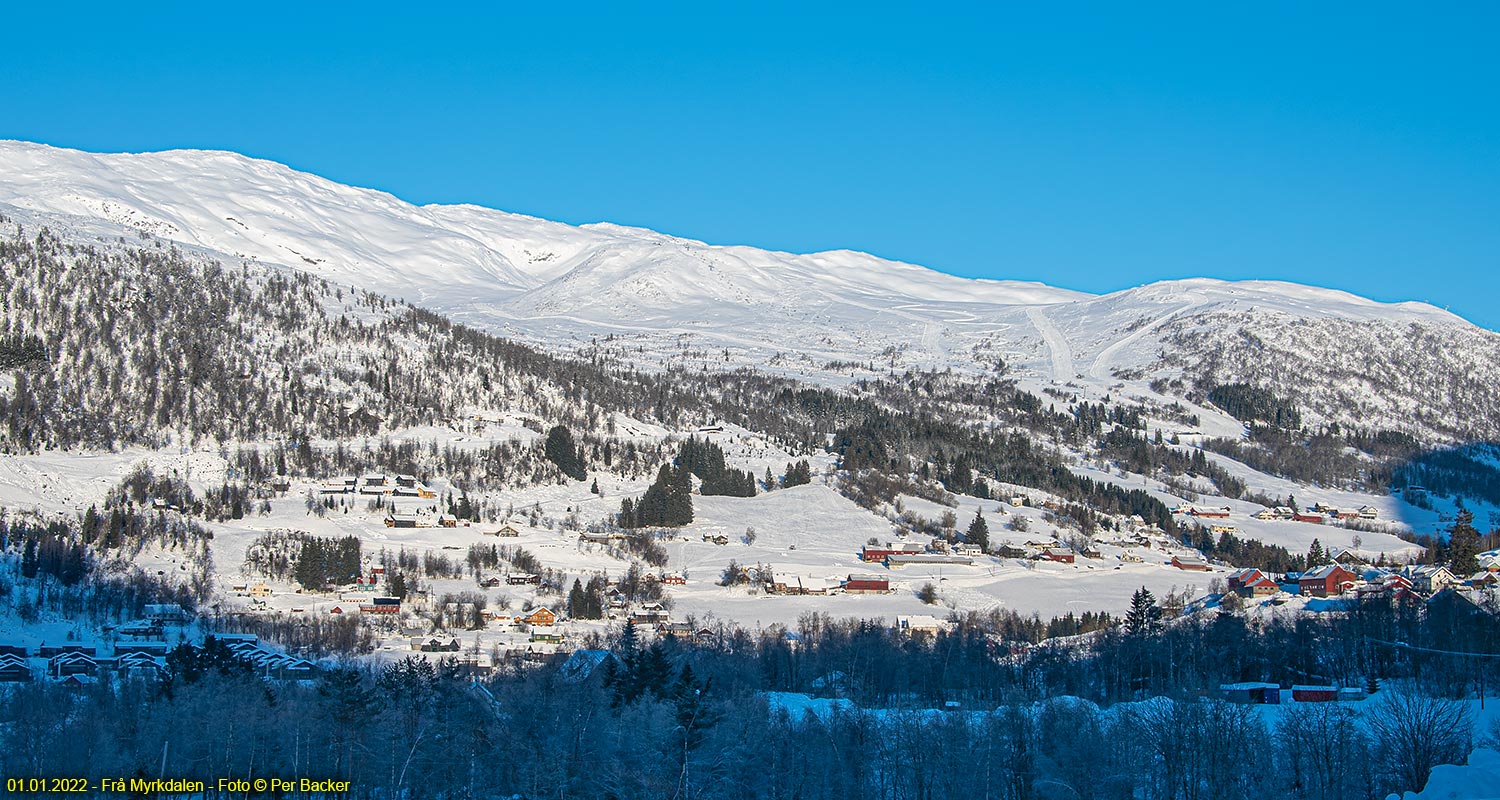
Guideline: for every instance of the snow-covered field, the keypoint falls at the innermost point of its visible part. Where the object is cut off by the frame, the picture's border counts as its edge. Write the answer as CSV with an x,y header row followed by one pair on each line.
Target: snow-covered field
x,y
807,535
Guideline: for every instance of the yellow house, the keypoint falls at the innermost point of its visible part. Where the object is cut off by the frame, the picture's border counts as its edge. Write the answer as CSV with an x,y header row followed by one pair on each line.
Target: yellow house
x,y
260,590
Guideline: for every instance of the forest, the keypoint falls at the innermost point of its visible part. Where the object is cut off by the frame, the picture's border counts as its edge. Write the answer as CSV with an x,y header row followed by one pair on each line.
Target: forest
x,y
1120,713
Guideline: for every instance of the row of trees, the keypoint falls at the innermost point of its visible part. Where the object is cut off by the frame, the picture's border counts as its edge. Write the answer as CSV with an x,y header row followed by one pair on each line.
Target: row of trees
x,y
667,503
706,460
672,721
323,561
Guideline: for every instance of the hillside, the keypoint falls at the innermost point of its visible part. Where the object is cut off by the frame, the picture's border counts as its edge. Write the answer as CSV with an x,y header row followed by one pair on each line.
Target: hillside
x,y
133,345
658,300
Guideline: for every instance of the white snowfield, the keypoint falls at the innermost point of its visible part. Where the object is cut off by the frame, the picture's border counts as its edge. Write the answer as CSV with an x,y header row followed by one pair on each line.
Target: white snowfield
x,y
673,298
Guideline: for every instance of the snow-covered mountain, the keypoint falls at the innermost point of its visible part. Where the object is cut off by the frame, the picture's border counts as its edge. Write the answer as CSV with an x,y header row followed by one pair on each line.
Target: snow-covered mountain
x,y
824,315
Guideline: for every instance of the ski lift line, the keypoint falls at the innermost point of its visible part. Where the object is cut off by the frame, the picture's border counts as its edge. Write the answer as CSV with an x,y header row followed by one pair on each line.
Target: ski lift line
x,y
1415,648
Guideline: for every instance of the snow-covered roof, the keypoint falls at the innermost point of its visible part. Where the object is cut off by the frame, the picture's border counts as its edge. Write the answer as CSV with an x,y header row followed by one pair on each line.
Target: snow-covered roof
x,y
1322,573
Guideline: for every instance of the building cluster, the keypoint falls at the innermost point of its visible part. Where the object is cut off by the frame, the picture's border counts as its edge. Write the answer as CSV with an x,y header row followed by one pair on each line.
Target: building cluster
x,y
379,485
1266,693
1349,575
1319,514
77,664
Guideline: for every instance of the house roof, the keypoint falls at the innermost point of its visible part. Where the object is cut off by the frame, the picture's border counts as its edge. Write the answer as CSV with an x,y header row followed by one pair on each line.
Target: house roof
x,y
1428,571
918,622
582,664
1322,573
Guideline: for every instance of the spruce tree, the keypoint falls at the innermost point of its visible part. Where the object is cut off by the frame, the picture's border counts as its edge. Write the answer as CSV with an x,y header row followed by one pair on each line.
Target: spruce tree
x,y
797,474
1143,614
576,600
1463,545
623,682
694,715
30,562
653,671
560,450
979,532
1316,556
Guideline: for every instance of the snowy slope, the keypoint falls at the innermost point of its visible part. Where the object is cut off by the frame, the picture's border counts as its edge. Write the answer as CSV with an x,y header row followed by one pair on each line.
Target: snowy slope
x,y
825,316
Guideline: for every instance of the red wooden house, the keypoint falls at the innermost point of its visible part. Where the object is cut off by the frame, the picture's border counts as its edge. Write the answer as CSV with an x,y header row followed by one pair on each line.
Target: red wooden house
x,y
1329,579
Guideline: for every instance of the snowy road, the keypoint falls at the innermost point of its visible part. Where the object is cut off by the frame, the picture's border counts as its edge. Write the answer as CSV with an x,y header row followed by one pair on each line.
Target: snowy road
x,y
1101,364
1062,355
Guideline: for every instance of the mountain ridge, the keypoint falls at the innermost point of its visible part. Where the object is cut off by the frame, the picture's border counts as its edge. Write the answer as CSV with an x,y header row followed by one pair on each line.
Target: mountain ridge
x,y
463,216
830,317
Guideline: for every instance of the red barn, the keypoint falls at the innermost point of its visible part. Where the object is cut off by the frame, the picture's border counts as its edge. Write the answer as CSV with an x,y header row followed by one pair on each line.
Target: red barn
x,y
1302,516
1329,579
1212,513
866,584
1060,556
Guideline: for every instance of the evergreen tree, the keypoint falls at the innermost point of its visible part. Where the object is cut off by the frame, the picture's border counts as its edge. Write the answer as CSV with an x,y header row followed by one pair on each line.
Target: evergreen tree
x,y
1316,555
30,562
396,586
1463,545
797,474
979,531
560,450
666,503
623,681
1143,615
653,672
694,716
577,601
310,571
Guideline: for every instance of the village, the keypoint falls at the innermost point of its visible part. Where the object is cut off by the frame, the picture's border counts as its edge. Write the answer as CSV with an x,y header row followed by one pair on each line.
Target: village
x,y
768,559
505,617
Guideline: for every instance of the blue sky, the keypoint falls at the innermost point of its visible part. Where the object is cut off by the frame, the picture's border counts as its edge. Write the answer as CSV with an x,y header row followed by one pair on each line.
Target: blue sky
x,y
1095,147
